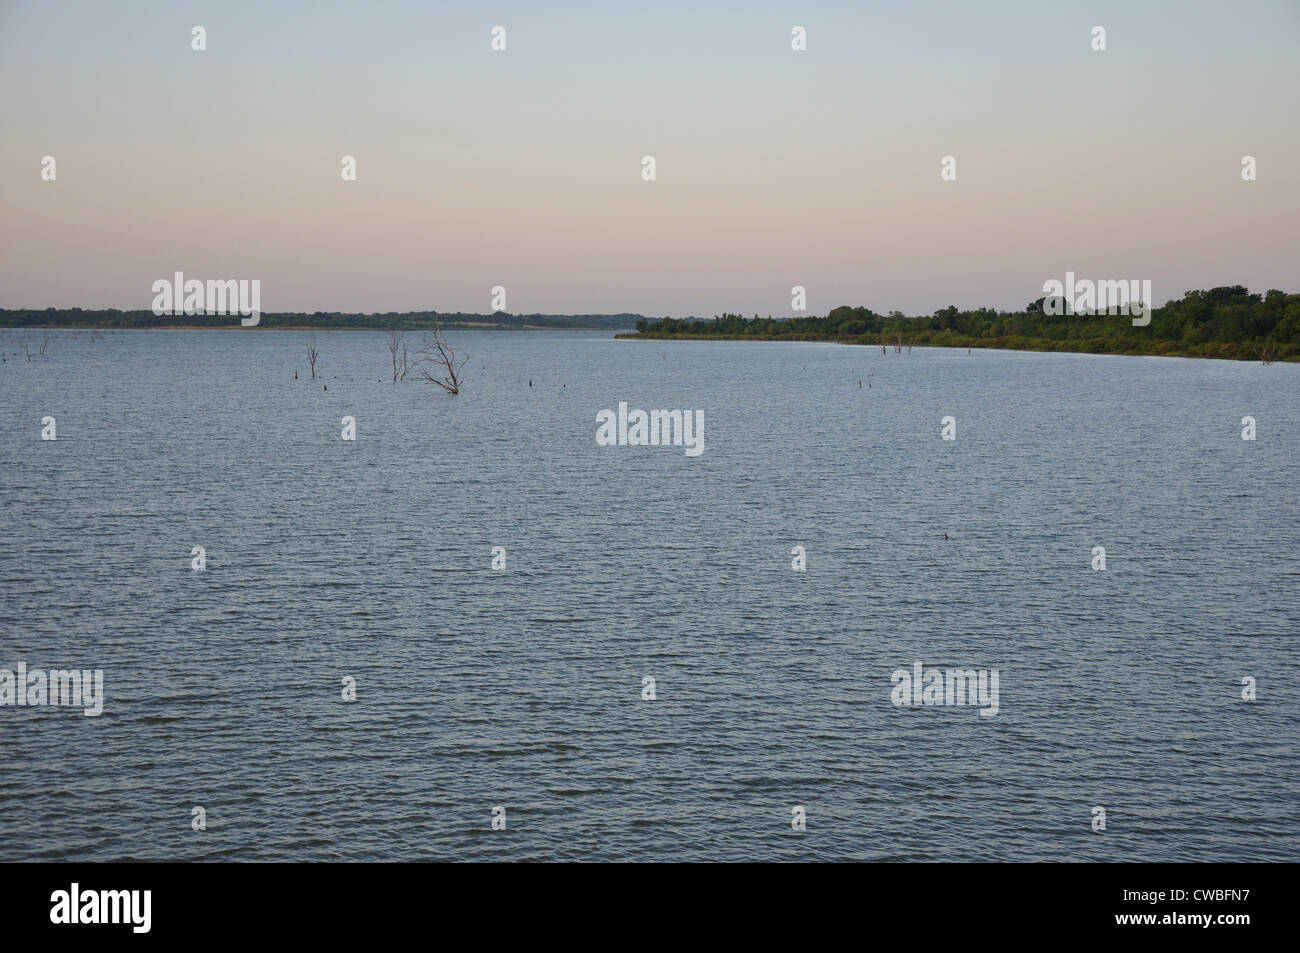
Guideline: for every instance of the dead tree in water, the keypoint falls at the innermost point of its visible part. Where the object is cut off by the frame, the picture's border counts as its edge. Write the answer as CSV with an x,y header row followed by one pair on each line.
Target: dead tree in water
x,y
397,346
438,362
313,352
1267,354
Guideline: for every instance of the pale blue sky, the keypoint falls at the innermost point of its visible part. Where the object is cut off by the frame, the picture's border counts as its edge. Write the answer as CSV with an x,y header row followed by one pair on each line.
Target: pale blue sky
x,y
522,168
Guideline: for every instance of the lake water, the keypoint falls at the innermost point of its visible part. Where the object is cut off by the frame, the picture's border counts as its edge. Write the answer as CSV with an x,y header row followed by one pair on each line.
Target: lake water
x,y
522,688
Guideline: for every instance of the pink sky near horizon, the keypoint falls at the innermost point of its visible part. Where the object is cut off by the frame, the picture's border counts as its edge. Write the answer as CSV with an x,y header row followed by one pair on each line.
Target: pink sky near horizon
x,y
522,168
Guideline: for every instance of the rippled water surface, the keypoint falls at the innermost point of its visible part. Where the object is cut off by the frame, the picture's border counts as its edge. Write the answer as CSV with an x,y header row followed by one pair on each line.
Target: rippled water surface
x,y
522,688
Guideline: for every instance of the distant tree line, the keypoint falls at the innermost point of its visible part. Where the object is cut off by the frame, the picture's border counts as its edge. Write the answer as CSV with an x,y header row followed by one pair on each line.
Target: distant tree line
x,y
407,321
1227,322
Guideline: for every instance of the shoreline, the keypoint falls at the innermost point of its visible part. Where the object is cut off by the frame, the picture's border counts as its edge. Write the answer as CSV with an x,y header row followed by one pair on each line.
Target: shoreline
x,y
1035,345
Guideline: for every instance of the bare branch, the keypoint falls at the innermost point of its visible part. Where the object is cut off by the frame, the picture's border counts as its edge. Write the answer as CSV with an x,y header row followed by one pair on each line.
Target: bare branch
x,y
394,346
313,352
438,362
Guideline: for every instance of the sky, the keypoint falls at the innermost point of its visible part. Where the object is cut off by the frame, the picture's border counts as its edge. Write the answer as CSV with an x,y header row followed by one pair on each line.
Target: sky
x,y
522,168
